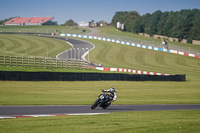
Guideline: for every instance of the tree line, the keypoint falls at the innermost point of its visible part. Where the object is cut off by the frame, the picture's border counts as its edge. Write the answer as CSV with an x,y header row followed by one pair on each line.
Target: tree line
x,y
184,24
5,20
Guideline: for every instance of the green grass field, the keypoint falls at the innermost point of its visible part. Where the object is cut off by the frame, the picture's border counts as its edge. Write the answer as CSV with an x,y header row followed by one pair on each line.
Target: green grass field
x,y
124,122
84,93
16,45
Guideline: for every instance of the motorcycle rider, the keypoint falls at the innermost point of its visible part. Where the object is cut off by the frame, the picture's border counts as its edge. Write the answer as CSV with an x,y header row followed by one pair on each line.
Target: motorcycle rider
x,y
113,94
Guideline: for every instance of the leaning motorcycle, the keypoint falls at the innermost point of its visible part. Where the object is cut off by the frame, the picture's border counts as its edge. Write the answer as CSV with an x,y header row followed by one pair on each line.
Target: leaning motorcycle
x,y
102,101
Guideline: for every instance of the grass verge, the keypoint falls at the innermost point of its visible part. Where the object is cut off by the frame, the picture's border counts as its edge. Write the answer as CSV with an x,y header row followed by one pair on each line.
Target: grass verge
x,y
84,93
123,122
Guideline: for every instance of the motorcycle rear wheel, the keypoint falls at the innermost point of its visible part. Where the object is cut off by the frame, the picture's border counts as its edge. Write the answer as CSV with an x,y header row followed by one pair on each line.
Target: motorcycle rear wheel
x,y
106,105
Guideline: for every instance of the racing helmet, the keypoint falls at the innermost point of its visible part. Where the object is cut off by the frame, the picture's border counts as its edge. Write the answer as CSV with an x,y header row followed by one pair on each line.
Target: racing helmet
x,y
112,90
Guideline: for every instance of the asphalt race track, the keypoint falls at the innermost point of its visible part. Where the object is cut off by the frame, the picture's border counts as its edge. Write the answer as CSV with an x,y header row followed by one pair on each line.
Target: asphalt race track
x,y
79,47
73,109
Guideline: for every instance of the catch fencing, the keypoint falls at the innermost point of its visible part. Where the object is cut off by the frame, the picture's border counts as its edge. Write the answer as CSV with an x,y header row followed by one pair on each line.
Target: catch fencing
x,y
35,62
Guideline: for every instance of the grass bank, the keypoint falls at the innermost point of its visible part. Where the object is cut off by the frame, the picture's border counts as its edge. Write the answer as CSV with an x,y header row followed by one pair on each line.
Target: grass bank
x,y
31,46
111,32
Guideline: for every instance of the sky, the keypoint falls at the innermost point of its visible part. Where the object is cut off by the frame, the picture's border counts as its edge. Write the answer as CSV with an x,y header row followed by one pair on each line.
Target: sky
x,y
87,10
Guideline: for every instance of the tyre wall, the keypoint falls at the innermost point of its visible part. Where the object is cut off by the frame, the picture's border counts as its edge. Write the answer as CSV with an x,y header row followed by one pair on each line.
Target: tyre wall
x,y
68,76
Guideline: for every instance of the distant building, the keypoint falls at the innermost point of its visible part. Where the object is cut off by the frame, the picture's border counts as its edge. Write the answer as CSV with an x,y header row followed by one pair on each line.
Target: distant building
x,y
120,26
92,23
102,23
83,24
29,21
88,24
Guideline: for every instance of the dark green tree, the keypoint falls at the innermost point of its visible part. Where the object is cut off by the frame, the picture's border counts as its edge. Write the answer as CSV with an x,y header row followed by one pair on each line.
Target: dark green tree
x,y
69,22
5,20
184,24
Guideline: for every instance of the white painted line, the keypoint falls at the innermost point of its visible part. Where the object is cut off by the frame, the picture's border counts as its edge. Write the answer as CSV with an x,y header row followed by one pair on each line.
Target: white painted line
x,y
42,115
47,115
7,117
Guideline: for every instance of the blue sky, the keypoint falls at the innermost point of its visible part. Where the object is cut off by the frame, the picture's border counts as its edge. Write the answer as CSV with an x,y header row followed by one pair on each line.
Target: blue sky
x,y
87,10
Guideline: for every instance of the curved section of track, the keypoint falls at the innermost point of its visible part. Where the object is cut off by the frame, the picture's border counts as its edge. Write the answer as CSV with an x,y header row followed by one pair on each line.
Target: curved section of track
x,y
78,50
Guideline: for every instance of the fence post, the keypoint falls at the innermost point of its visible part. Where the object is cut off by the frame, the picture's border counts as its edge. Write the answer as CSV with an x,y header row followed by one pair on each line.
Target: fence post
x,y
10,61
4,60
40,63
17,60
71,62
45,62
62,63
28,62
23,61
66,65
51,63
34,62
56,63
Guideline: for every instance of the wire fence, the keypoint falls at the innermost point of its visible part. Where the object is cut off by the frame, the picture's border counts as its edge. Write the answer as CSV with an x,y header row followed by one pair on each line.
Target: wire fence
x,y
43,29
152,43
28,62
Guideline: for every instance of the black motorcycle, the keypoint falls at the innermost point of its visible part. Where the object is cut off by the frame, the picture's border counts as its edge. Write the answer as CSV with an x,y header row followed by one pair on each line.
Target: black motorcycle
x,y
102,101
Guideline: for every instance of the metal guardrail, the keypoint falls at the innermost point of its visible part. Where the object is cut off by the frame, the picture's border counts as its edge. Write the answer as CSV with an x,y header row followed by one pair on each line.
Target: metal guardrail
x,y
29,62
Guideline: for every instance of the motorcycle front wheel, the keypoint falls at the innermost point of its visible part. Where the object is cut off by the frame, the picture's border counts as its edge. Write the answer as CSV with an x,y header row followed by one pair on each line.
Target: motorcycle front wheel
x,y
95,104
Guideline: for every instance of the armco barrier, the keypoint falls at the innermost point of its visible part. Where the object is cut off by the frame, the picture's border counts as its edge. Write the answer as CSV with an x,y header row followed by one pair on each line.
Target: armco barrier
x,y
132,44
67,76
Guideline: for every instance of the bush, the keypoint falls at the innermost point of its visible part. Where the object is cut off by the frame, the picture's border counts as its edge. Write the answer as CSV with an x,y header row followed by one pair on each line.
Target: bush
x,y
189,40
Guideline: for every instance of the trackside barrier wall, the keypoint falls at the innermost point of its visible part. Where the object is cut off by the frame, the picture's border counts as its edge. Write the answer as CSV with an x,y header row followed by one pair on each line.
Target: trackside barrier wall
x,y
132,44
127,70
67,76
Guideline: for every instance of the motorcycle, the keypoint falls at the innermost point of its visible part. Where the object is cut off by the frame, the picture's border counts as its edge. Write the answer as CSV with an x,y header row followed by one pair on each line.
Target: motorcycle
x,y
102,101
